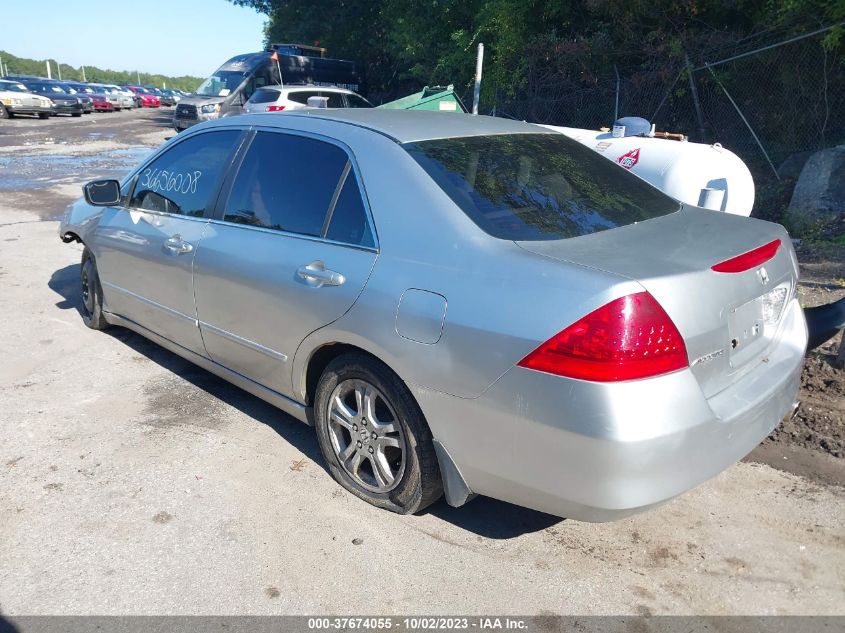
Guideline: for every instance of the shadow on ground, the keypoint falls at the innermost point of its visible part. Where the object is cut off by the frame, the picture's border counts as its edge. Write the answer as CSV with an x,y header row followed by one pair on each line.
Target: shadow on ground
x,y
483,516
65,282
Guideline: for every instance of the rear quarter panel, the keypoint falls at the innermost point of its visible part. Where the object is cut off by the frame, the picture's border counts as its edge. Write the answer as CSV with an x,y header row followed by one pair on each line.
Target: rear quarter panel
x,y
501,300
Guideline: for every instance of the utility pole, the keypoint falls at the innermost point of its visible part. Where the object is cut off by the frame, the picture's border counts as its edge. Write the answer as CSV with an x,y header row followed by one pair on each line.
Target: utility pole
x,y
476,93
83,75
59,68
138,76
49,74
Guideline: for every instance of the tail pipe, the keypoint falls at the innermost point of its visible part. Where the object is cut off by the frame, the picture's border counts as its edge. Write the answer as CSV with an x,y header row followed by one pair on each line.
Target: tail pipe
x,y
823,322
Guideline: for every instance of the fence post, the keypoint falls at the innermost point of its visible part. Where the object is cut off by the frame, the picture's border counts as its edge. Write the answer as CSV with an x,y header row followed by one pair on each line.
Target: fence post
x,y
701,132
616,107
744,120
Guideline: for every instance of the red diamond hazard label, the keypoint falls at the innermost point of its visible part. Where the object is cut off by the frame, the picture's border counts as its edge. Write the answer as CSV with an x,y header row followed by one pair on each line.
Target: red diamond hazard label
x,y
629,159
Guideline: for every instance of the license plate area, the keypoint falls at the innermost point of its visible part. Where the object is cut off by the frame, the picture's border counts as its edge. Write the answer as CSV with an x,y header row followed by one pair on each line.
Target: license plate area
x,y
753,324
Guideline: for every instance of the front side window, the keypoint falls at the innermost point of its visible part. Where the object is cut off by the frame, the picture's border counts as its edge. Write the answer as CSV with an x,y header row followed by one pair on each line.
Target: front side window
x,y
537,186
286,183
183,179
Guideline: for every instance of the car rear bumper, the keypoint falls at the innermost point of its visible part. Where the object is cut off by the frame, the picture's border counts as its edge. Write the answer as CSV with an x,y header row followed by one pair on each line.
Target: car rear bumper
x,y
599,452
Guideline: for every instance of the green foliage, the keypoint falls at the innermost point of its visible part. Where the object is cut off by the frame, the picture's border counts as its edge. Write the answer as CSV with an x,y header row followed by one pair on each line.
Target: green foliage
x,y
23,66
409,43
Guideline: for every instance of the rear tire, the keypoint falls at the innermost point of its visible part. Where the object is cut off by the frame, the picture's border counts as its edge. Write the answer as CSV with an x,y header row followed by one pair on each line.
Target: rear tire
x,y
92,293
43,115
374,437
76,114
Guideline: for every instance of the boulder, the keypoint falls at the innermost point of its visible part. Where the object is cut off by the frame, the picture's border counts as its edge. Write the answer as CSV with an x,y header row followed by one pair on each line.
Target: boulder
x,y
818,199
791,168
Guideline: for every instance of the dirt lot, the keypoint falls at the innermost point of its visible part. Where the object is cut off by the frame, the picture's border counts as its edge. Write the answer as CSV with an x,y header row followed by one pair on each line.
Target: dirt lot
x,y
133,482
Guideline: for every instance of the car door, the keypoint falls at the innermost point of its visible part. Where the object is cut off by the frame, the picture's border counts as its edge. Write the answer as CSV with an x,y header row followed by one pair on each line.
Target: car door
x,y
145,250
291,251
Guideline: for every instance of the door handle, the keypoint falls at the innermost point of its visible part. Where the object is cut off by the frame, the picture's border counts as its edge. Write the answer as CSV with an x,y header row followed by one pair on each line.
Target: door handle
x,y
177,245
315,274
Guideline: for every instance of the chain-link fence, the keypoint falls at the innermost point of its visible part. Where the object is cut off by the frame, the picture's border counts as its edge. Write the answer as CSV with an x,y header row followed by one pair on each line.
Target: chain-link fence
x,y
766,104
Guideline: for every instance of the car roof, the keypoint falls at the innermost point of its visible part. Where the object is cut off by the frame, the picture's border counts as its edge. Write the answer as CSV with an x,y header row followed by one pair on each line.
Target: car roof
x,y
308,88
406,126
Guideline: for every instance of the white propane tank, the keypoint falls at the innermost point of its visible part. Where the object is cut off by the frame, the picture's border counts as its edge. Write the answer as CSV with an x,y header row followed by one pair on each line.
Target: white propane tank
x,y
707,176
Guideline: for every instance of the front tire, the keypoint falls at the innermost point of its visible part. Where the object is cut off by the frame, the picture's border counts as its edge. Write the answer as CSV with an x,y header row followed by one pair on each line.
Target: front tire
x,y
92,293
374,436
4,113
43,115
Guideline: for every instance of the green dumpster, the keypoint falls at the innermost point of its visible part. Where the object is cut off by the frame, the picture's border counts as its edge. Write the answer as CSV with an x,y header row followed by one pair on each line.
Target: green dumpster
x,y
435,98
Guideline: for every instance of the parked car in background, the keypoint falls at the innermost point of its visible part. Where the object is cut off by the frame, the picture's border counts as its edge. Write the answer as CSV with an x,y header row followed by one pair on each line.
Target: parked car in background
x,y
170,97
605,347
84,98
115,99
127,99
281,98
63,102
144,97
16,98
101,102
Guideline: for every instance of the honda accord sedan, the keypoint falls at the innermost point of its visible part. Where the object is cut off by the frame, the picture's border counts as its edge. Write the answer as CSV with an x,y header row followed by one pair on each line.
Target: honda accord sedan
x,y
460,305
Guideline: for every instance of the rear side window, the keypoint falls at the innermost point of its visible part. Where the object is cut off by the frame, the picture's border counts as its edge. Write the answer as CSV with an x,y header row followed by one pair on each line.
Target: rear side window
x,y
265,95
354,101
301,96
348,222
335,99
286,183
183,180
537,186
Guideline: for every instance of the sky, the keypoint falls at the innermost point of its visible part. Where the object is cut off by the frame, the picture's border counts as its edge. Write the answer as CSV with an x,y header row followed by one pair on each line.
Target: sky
x,y
171,37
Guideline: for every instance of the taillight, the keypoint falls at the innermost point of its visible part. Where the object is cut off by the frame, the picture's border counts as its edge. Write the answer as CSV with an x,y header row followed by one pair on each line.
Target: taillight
x,y
275,108
748,260
631,337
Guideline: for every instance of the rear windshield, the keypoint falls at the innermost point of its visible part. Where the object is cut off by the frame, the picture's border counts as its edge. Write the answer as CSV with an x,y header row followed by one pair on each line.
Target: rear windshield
x,y
537,186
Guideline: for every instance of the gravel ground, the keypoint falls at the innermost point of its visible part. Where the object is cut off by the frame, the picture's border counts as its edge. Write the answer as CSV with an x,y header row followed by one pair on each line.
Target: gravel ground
x,y
133,482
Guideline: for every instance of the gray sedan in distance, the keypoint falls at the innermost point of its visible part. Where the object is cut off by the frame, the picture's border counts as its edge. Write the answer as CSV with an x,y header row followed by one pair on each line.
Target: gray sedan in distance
x,y
459,304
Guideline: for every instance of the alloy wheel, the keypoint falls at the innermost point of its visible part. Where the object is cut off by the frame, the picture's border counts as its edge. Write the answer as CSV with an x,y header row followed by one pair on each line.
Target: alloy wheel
x,y
366,435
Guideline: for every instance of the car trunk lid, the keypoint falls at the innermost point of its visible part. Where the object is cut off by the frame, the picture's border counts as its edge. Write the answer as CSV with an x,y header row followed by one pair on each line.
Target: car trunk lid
x,y
728,320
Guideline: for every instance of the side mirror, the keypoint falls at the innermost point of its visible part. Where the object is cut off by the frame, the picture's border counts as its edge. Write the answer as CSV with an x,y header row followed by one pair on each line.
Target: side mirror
x,y
102,193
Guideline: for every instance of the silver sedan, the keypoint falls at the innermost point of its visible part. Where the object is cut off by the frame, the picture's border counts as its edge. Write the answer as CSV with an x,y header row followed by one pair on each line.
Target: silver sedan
x,y
460,305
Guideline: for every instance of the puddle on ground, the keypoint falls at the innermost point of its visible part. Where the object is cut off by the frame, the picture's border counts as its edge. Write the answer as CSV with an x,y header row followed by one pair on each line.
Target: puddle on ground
x,y
27,173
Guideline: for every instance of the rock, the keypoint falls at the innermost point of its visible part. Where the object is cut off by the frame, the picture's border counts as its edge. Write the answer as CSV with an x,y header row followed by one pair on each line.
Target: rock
x,y
818,199
791,168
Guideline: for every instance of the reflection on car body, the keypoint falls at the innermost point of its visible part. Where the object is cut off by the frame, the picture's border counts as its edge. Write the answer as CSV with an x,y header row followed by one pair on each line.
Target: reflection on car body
x,y
464,305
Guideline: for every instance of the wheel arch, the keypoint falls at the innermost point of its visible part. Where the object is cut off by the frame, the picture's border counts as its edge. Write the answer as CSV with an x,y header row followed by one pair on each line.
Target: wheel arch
x,y
455,487
319,359
71,236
